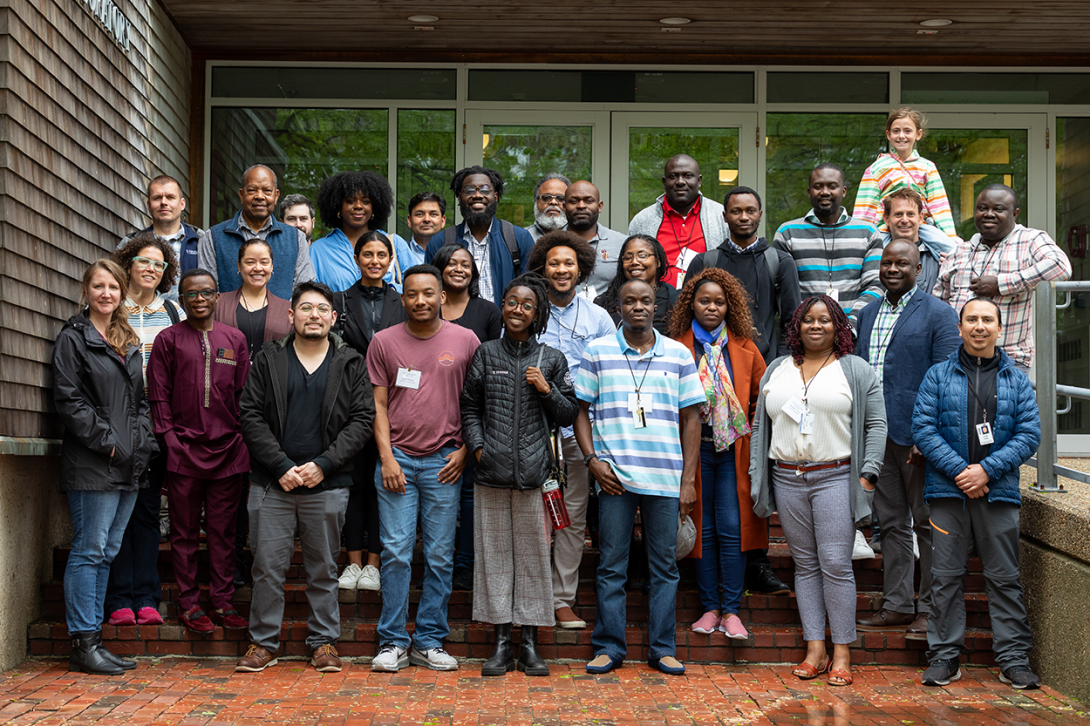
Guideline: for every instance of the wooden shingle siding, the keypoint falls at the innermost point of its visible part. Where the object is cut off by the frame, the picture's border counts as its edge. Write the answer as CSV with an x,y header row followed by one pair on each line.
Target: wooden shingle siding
x,y
83,126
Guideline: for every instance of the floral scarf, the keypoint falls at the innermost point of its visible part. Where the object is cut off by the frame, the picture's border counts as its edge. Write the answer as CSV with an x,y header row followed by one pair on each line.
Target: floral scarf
x,y
722,409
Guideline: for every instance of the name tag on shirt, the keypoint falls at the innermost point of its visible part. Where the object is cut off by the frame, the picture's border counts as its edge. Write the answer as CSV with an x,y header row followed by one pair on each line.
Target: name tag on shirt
x,y
795,409
685,259
834,294
408,378
984,434
641,400
806,423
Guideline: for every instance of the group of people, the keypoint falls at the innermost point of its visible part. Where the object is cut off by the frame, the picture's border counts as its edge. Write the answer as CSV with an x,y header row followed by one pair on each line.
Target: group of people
x,y
363,386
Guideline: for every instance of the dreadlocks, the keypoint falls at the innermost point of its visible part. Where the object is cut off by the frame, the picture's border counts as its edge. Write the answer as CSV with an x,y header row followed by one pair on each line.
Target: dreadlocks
x,y
537,285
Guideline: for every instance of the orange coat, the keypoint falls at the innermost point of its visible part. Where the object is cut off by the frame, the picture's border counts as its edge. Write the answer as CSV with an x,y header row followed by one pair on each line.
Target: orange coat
x,y
748,366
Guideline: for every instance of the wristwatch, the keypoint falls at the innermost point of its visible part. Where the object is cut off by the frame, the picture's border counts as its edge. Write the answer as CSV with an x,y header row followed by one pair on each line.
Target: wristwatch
x,y
588,457
872,478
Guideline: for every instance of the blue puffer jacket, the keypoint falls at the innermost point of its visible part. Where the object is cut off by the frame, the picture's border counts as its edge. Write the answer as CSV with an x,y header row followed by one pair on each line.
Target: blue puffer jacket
x,y
941,432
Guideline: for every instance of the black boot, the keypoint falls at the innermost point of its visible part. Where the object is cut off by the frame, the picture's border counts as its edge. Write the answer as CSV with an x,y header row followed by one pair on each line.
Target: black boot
x,y
530,662
503,660
123,663
87,656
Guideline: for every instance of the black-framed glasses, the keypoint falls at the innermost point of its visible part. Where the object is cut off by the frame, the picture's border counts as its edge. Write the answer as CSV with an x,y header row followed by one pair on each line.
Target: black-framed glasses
x,y
207,293
642,256
511,303
308,308
143,263
482,189
551,198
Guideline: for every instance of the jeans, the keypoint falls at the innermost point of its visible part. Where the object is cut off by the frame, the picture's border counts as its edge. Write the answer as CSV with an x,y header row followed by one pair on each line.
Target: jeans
x,y
463,555
99,520
721,571
436,505
134,574
617,513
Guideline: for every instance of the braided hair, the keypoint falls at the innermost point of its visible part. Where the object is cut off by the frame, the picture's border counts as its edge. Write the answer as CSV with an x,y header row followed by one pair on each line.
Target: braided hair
x,y
537,285
842,329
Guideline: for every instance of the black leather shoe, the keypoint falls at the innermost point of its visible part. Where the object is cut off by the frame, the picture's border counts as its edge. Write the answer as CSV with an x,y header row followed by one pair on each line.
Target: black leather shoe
x,y
87,656
463,578
503,660
530,661
763,580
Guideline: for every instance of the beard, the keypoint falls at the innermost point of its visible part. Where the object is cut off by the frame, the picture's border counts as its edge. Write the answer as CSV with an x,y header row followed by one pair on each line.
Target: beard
x,y
310,334
478,219
580,225
547,223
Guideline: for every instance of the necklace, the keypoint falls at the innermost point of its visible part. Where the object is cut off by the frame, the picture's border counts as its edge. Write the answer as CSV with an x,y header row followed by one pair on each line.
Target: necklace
x,y
246,305
806,384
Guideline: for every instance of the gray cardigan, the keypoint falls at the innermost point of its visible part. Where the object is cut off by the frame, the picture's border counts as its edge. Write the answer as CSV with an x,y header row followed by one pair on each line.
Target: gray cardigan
x,y
868,438
648,220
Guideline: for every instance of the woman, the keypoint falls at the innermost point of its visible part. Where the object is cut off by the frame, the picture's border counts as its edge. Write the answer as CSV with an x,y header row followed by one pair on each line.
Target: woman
x,y
819,436
98,389
516,390
252,309
367,307
464,306
641,258
351,204
712,319
134,590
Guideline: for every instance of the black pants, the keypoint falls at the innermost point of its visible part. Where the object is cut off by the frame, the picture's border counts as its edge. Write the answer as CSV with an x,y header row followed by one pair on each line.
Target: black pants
x,y
134,573
361,528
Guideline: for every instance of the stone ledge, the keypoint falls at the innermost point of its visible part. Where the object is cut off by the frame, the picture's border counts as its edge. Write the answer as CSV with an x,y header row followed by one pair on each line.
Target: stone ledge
x,y
29,446
1058,521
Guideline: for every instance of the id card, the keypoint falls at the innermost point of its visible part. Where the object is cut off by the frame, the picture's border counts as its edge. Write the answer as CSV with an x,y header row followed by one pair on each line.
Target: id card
x,y
638,419
834,294
408,378
685,259
795,409
806,423
640,401
984,434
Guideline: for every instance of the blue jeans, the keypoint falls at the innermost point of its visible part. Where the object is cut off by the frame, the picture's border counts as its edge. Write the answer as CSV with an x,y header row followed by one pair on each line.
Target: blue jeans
x,y
134,573
436,505
617,514
463,557
723,564
99,520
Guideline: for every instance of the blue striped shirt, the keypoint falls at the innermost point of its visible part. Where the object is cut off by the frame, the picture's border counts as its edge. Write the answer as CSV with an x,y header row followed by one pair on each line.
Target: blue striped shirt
x,y
646,460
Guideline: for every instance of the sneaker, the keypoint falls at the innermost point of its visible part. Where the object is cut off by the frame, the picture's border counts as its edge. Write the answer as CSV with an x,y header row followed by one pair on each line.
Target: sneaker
x,y
435,658
463,579
124,616
732,626
942,673
148,616
369,579
568,620
349,579
196,620
229,619
876,542
1020,677
325,659
256,660
390,659
707,624
861,550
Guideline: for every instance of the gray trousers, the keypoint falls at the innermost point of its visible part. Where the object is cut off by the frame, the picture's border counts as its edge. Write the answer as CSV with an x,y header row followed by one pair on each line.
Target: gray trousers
x,y
900,508
511,573
274,515
993,527
568,542
816,516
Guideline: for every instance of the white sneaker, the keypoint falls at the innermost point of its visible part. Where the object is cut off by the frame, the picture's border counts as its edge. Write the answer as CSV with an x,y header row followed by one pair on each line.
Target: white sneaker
x,y
369,579
349,579
915,545
435,658
861,550
390,659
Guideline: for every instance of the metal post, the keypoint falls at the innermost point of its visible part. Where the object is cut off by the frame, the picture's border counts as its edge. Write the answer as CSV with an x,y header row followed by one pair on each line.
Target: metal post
x,y
1045,311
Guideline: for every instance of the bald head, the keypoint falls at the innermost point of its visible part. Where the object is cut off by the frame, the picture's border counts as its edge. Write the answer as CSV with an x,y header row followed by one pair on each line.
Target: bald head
x,y
582,206
899,268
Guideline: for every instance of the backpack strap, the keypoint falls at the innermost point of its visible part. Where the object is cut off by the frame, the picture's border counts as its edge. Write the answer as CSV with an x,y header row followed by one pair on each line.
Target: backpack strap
x,y
772,259
172,311
710,258
508,230
448,235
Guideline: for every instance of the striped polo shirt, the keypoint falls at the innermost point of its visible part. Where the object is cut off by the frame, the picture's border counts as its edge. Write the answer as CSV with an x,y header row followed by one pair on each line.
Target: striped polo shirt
x,y
646,460
150,320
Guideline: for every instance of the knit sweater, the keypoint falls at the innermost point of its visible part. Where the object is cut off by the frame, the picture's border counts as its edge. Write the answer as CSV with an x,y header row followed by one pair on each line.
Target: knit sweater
x,y
886,176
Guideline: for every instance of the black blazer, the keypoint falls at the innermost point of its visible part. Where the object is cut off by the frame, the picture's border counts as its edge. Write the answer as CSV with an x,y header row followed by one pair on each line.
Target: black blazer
x,y
350,311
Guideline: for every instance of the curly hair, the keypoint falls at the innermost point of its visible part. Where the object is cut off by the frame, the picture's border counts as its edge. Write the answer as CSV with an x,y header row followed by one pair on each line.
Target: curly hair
x,y
737,317
842,329
459,179
584,253
537,285
610,298
123,257
347,185
441,260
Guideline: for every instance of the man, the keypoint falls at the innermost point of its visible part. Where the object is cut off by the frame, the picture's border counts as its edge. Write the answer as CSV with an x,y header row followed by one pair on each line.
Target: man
x,y
835,254
684,221
582,206
165,206
427,215
499,248
643,449
567,261
903,334
769,275
902,212
306,410
549,205
976,422
1003,261
297,211
195,377
417,369
218,247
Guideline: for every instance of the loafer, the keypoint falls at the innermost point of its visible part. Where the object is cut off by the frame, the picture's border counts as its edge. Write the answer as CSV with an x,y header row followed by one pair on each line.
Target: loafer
x,y
884,620
123,616
918,629
148,616
196,620
256,660
568,620
668,664
325,659
229,619
603,663
732,626
707,624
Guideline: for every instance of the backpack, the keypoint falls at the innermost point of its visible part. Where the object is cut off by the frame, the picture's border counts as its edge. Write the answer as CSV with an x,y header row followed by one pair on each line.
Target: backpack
x,y
508,231
172,311
772,259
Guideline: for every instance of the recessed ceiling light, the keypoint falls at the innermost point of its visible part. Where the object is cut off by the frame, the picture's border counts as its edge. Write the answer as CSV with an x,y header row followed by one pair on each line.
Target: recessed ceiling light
x,y
423,18
936,23
675,21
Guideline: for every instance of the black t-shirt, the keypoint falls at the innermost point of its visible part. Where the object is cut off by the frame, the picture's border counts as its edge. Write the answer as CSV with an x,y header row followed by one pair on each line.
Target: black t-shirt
x,y
303,428
483,318
252,326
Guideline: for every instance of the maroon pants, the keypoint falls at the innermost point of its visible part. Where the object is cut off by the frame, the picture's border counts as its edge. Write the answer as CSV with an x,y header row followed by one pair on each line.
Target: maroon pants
x,y
219,498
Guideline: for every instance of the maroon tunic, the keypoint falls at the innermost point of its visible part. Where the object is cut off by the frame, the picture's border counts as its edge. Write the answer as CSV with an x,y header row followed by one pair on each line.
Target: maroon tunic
x,y
195,382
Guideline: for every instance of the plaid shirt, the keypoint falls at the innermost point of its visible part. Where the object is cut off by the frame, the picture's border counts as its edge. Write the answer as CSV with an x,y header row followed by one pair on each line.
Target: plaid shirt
x,y
888,315
1026,257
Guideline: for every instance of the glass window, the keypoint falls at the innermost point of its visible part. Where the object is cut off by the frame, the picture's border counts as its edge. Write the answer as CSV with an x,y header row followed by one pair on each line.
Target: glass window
x,y
425,159
611,86
1073,88
338,83
828,88
716,150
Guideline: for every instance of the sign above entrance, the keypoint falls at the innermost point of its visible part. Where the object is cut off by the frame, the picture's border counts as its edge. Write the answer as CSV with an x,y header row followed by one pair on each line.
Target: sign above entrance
x,y
112,20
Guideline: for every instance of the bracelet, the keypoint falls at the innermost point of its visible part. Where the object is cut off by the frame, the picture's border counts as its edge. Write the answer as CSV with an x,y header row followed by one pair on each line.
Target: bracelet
x,y
588,457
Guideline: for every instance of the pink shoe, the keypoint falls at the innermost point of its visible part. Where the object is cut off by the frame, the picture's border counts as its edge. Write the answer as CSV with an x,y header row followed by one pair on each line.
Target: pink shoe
x,y
732,626
148,616
123,616
706,624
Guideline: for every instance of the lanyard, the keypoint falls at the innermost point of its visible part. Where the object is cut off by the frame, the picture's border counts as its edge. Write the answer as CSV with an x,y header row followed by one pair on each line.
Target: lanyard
x,y
805,384
631,370
677,232
972,390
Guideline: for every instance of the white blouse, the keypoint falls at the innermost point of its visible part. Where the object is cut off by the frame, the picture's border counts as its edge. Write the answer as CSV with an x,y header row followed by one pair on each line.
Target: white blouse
x,y
829,399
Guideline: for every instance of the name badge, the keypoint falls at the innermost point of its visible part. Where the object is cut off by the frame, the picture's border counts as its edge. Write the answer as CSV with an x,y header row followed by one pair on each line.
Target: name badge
x,y
685,259
984,434
834,294
641,400
795,409
408,378
806,423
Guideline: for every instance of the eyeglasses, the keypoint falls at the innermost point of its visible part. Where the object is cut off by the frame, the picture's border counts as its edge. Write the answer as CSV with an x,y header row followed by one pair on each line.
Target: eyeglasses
x,y
550,198
308,308
207,294
641,256
470,191
511,303
143,263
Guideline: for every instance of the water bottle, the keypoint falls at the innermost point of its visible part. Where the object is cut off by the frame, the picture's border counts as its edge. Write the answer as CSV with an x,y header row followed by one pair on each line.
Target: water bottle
x,y
554,504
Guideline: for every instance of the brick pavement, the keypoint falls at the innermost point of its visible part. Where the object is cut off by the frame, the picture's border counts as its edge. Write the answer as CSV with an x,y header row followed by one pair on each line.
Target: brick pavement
x,y
192,692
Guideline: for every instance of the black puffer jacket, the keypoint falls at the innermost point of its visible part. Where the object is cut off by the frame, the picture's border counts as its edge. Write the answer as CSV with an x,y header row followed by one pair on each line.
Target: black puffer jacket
x,y
102,405
502,413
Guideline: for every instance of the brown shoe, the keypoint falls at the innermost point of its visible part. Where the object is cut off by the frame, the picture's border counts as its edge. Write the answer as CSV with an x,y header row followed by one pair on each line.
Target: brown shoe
x,y
568,620
256,660
918,629
325,659
884,620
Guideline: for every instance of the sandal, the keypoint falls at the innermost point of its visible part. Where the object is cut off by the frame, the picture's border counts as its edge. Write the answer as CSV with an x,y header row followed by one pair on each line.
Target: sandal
x,y
809,672
845,678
